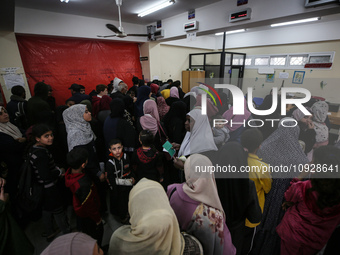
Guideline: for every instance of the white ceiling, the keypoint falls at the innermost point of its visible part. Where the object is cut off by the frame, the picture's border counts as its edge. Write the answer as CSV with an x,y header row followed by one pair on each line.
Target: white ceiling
x,y
107,9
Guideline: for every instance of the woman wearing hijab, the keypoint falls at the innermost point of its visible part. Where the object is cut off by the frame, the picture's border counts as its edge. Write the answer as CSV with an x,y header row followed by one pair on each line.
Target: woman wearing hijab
x,y
320,110
73,244
154,228
80,134
199,137
116,126
174,96
12,145
307,132
143,94
150,119
165,93
154,90
174,122
280,149
237,193
198,207
234,124
212,110
162,107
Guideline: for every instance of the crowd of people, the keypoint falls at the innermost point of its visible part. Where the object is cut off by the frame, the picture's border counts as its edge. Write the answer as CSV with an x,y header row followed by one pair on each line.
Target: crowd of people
x,y
152,151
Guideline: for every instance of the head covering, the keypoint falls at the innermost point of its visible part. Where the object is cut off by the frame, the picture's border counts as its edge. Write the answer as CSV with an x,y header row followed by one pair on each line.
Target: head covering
x,y
177,110
154,228
71,244
9,129
212,110
142,95
162,107
154,88
78,130
165,93
320,110
104,103
190,93
117,108
195,90
150,119
116,82
282,147
88,104
298,114
201,91
174,92
200,138
229,115
150,107
201,186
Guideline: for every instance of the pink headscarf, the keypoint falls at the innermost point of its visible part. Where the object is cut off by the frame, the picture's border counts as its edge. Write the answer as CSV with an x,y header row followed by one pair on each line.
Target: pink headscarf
x,y
162,106
228,115
212,110
174,92
154,88
73,243
150,119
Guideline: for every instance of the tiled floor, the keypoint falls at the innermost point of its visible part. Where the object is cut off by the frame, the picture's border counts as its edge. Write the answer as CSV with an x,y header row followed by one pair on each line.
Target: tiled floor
x,y
35,229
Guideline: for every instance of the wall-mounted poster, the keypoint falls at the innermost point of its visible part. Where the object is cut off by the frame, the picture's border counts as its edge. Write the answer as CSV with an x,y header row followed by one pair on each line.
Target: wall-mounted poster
x,y
270,77
298,77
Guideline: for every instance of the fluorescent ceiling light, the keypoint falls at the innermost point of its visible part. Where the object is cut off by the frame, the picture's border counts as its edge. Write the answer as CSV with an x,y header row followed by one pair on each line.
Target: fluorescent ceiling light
x,y
232,32
156,8
294,22
64,1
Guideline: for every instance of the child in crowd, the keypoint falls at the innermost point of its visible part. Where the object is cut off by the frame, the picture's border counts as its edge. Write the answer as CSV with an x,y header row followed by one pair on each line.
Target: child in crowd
x,y
220,131
48,174
86,202
120,179
251,140
147,161
313,206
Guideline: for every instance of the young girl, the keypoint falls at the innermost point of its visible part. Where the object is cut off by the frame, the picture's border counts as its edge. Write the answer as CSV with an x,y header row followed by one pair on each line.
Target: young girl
x,y
47,173
315,206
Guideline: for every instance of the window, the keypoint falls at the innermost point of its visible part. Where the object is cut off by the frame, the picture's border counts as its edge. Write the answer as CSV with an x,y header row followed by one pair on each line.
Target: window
x,y
278,61
289,61
298,60
320,59
238,60
262,61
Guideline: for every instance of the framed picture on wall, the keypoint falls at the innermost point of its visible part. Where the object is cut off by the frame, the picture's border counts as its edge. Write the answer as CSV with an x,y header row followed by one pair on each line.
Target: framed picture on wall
x,y
298,77
270,77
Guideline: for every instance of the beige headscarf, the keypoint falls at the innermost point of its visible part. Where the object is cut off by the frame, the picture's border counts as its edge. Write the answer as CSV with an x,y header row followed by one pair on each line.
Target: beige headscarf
x,y
200,181
10,129
154,228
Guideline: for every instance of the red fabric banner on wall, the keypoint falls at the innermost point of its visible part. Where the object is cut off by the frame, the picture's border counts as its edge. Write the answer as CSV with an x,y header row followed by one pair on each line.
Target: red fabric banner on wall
x,y
60,61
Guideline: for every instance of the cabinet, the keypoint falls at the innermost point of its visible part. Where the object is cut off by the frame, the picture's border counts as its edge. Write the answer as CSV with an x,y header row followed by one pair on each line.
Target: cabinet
x,y
190,79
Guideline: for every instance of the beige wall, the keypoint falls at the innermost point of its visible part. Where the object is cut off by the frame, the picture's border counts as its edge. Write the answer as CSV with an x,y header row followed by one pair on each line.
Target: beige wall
x,y
168,62
312,79
10,57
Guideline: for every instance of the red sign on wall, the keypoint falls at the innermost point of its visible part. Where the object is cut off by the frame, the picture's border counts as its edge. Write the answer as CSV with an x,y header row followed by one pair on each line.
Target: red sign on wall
x,y
60,61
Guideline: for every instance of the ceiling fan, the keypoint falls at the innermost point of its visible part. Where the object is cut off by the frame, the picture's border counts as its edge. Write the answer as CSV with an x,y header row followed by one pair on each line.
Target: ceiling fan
x,y
120,32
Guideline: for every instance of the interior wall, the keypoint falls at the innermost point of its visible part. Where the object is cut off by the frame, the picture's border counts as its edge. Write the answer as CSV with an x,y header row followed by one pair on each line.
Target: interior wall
x,y
312,79
10,57
168,62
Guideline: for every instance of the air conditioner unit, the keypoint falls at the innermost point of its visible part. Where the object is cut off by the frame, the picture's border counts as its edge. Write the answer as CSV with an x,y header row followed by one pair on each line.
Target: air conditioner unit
x,y
159,33
192,25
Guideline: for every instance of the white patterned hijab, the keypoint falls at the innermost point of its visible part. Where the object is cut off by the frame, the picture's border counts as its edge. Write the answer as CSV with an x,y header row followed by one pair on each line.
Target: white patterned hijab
x,y
320,110
78,130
